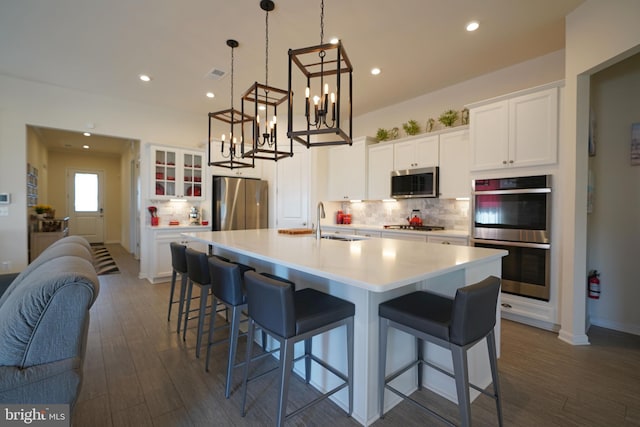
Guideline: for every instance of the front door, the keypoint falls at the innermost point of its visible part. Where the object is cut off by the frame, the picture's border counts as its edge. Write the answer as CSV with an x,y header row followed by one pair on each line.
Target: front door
x,y
86,213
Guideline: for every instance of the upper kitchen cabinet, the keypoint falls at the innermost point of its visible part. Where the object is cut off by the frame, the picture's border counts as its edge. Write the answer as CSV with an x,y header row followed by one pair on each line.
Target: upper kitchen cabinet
x,y
517,130
177,173
379,174
418,152
216,156
348,170
454,165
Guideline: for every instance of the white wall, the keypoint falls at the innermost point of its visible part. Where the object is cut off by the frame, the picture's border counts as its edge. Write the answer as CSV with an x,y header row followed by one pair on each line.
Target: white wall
x,y
27,103
613,227
597,34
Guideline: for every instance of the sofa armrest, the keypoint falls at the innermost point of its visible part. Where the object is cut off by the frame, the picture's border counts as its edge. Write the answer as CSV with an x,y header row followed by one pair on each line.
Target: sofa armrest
x,y
56,382
6,280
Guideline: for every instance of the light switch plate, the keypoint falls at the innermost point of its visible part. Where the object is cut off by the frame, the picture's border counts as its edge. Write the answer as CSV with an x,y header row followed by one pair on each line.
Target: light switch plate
x,y
4,211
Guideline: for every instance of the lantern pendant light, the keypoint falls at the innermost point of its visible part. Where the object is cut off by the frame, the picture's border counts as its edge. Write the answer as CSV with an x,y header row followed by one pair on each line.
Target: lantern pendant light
x,y
327,102
233,150
264,136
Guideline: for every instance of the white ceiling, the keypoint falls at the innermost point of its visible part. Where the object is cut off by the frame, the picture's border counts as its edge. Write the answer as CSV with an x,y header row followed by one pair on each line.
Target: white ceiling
x,y
420,45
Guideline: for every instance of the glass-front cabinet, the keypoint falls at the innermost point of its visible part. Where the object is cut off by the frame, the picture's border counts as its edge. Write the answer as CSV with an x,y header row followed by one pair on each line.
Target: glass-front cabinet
x,y
176,173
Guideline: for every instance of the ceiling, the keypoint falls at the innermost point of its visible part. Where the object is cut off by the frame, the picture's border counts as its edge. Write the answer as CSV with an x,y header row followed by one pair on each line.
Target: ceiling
x,y
420,45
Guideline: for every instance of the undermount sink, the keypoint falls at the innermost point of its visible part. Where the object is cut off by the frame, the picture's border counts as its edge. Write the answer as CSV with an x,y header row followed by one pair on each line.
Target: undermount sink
x,y
342,237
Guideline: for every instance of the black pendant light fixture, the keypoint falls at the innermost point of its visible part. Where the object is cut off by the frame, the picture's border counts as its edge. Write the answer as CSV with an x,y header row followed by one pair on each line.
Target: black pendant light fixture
x,y
233,149
264,136
327,102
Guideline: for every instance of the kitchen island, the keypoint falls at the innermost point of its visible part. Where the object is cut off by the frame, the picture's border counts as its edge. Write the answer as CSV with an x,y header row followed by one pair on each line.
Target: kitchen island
x,y
368,272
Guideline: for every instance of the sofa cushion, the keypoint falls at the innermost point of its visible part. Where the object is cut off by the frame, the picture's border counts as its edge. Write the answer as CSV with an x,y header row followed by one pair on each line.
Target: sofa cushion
x,y
43,319
61,248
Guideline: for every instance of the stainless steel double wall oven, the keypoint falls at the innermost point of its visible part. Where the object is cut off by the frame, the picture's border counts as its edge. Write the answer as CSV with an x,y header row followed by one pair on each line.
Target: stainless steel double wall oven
x,y
514,214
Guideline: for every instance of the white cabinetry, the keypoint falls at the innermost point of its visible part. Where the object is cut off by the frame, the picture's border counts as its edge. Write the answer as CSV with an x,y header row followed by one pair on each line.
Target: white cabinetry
x,y
448,240
216,156
417,237
454,165
177,173
161,251
416,153
380,167
348,170
368,233
292,189
515,131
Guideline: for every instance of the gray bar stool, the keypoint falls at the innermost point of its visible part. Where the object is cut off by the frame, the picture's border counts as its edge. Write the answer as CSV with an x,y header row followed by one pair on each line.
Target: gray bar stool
x,y
198,272
227,288
179,266
292,316
456,324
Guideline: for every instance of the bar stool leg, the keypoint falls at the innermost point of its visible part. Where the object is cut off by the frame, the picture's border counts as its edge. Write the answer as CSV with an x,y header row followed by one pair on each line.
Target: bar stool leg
x,y
247,362
493,361
233,345
204,298
286,362
183,290
212,320
420,356
350,345
383,326
173,288
187,309
461,373
307,360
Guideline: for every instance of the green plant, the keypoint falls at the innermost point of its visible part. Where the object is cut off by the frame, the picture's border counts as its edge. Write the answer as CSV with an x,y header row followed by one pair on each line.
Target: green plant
x,y
41,208
382,134
448,118
411,127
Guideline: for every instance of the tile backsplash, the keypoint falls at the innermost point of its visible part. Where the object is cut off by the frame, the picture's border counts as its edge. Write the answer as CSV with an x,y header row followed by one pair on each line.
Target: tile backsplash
x,y
449,213
176,211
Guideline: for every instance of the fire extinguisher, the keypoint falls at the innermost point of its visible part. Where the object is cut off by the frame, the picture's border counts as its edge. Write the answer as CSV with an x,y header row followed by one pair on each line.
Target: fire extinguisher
x,y
594,284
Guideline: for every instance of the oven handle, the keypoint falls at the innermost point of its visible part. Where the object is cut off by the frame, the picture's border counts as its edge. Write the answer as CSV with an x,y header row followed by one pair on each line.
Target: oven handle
x,y
521,191
517,244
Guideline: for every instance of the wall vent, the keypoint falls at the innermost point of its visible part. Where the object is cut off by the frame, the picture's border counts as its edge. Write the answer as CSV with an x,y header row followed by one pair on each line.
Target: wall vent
x,y
216,74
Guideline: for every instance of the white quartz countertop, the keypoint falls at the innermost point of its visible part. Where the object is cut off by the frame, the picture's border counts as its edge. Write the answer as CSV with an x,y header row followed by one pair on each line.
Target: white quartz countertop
x,y
376,264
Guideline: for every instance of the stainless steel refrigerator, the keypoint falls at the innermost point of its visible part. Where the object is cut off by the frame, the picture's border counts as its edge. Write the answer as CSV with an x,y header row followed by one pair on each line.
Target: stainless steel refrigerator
x,y
239,204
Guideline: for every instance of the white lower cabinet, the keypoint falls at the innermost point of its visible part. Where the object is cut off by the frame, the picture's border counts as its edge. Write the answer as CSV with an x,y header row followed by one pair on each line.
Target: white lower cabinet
x,y
404,236
161,251
368,233
448,240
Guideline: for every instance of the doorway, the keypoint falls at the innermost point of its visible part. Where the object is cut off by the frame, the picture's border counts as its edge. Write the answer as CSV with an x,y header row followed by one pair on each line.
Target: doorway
x,y
85,190
58,153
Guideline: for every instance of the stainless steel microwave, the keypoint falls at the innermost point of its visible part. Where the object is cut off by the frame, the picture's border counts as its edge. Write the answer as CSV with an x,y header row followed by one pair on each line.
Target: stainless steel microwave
x,y
408,183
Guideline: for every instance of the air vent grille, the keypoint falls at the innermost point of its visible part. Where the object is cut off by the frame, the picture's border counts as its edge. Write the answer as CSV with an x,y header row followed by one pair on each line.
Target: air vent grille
x,y
216,74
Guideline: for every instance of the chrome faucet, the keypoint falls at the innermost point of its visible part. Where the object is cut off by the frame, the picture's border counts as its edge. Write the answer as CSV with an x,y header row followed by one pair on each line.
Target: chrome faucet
x,y
320,215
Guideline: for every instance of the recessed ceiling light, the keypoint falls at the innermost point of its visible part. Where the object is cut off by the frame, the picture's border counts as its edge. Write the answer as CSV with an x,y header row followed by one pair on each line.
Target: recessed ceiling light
x,y
86,147
210,95
375,71
472,26
86,134
144,78
261,107
334,40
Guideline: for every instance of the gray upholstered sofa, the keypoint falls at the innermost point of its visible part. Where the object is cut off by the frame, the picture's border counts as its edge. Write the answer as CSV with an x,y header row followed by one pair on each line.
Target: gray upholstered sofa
x,y
44,320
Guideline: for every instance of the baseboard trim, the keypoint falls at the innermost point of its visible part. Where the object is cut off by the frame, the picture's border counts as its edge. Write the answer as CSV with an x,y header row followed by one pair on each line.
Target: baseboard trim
x,y
572,339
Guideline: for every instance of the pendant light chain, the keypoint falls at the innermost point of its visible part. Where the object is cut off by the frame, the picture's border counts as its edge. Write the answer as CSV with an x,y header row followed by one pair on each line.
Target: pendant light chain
x,y
232,49
322,22
266,49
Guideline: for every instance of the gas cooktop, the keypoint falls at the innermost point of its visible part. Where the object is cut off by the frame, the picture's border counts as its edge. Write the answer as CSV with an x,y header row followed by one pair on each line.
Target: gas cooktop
x,y
414,227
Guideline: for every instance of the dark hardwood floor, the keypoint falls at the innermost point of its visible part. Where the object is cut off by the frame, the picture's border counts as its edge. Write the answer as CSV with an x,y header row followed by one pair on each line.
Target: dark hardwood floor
x,y
138,372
